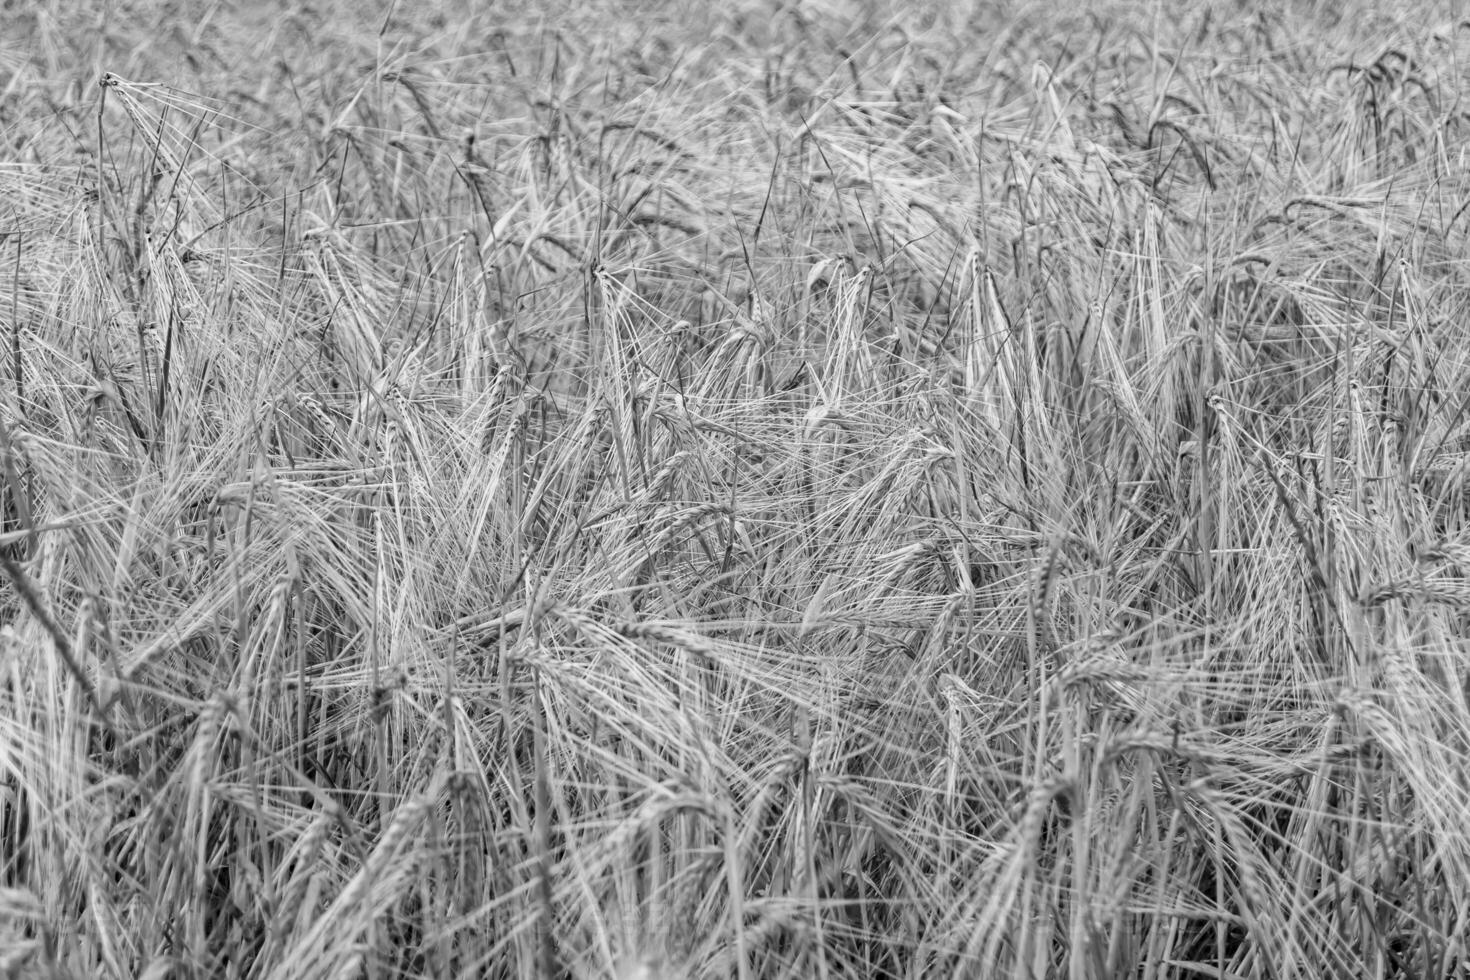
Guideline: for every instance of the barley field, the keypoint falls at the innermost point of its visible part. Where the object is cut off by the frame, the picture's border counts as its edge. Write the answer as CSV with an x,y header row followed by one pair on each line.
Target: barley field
x,y
745,490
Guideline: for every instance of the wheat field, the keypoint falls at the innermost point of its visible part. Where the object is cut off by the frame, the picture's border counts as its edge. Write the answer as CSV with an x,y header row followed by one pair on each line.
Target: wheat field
x,y
667,490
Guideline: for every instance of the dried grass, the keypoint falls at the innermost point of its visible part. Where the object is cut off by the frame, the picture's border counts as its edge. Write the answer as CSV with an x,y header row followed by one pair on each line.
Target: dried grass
x,y
733,491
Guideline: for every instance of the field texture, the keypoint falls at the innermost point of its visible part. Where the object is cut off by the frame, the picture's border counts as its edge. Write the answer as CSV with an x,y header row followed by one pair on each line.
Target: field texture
x,y
748,489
